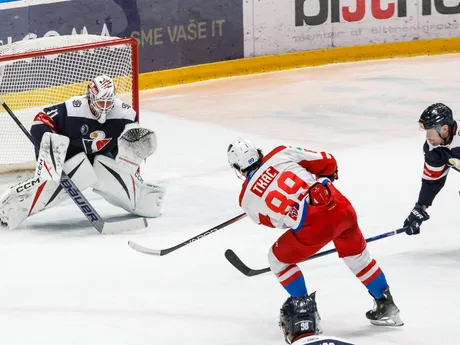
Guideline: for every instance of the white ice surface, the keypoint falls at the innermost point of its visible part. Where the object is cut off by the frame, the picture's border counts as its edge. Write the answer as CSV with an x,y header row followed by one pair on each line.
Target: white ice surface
x,y
63,283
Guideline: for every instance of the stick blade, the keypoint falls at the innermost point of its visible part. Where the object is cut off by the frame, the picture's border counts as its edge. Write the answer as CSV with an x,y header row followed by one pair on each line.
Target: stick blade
x,y
144,250
240,266
116,227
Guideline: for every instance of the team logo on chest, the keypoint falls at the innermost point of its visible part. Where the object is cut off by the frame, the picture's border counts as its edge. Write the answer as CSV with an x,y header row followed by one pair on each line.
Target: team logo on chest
x,y
99,135
97,142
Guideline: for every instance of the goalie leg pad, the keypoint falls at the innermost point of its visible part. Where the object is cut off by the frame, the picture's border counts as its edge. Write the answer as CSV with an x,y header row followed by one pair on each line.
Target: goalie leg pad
x,y
36,194
127,191
50,161
18,202
80,170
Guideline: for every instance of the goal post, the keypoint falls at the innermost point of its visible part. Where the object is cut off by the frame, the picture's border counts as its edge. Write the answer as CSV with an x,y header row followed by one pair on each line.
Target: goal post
x,y
41,72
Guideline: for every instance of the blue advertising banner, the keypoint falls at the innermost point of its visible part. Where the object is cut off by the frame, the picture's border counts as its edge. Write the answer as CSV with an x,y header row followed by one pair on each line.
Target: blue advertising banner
x,y
171,34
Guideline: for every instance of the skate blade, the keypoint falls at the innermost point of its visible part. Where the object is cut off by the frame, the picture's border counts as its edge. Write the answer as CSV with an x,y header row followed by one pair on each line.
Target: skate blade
x,y
394,321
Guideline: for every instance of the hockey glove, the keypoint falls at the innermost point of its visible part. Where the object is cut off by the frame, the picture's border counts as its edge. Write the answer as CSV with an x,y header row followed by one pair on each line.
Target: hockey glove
x,y
334,176
415,219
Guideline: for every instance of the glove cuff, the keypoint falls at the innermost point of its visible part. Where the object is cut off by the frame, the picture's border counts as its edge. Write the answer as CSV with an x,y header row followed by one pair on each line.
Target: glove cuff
x,y
424,213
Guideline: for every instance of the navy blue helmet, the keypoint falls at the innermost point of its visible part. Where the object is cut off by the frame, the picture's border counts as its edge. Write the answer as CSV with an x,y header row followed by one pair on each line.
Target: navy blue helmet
x,y
299,316
437,114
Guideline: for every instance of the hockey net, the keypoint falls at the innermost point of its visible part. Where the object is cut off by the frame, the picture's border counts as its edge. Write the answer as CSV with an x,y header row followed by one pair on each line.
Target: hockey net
x,y
45,71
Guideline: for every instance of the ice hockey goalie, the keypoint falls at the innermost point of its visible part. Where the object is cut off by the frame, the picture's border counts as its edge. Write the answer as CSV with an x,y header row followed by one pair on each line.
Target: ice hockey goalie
x,y
96,139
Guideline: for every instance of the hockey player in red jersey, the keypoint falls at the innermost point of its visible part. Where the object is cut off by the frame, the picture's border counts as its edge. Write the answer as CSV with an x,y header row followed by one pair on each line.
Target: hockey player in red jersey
x,y
291,188
299,321
442,151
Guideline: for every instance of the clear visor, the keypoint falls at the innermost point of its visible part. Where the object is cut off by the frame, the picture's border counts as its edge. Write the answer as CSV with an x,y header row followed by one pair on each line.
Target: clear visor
x,y
430,131
239,174
237,171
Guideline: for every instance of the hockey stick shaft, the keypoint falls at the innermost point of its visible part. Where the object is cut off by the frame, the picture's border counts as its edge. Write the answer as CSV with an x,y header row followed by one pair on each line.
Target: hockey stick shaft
x,y
161,252
66,183
241,266
368,240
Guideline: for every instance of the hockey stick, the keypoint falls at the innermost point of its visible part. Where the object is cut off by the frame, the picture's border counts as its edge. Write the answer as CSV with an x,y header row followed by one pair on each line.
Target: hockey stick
x,y
79,199
161,252
240,265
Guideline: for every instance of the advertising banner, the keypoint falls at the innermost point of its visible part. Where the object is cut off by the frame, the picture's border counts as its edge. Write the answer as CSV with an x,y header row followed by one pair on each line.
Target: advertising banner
x,y
274,27
171,34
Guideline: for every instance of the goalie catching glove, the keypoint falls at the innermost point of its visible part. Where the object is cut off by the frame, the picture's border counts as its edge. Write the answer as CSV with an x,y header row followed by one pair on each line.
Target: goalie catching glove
x,y
134,145
51,157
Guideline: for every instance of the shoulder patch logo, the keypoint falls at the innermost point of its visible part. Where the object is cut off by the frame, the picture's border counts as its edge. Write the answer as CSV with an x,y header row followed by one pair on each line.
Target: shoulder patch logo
x,y
76,103
46,120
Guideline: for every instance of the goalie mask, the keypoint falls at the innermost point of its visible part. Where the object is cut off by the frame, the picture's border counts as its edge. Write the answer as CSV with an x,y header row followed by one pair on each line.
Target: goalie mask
x,y
101,96
243,156
299,317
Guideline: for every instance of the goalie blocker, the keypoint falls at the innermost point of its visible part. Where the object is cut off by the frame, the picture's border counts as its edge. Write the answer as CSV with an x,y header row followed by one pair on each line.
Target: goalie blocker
x,y
116,180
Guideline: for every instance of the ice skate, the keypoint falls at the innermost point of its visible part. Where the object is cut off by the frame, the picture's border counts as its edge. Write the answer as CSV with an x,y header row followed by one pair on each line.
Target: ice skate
x,y
385,312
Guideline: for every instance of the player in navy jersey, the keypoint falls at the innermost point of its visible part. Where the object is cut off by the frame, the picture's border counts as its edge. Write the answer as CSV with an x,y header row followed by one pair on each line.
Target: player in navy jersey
x,y
442,151
96,139
300,323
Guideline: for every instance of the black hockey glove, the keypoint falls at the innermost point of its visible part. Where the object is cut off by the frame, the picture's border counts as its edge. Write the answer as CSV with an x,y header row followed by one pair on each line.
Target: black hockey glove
x,y
415,219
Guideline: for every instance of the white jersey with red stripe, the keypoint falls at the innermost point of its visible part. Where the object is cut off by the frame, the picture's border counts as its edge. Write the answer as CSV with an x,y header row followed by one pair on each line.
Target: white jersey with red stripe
x,y
321,340
275,194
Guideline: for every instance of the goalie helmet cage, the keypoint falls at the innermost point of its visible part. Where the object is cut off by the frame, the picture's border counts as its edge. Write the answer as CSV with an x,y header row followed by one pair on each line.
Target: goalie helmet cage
x,y
41,72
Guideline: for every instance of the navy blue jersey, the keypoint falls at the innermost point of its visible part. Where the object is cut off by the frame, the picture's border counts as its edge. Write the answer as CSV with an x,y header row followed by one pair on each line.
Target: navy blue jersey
x,y
74,119
437,166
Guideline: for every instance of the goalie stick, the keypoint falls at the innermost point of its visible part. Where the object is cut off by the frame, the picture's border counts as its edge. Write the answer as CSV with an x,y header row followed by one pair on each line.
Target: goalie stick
x,y
161,252
249,272
80,200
